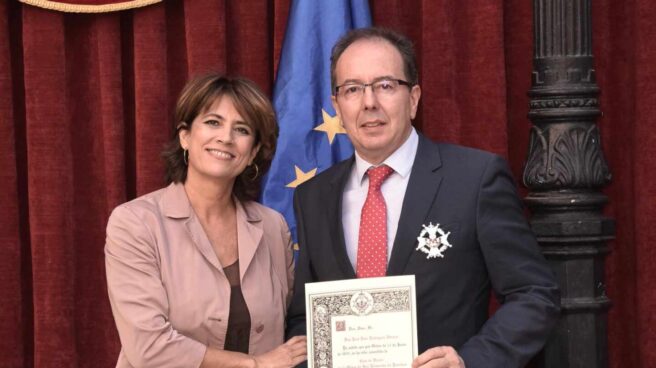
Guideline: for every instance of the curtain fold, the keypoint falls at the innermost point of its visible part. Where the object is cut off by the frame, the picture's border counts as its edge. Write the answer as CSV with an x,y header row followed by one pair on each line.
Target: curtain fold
x,y
87,104
152,95
94,95
518,47
11,312
644,178
50,180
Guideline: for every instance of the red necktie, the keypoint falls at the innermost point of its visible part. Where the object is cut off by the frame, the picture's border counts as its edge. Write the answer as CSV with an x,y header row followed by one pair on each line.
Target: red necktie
x,y
372,239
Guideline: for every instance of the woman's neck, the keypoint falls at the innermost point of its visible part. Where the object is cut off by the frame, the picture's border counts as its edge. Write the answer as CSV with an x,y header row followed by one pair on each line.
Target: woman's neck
x,y
210,198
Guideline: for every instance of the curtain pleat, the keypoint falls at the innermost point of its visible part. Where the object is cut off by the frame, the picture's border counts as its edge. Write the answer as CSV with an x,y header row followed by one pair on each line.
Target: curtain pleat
x,y
615,48
248,43
151,96
645,178
50,178
518,50
206,35
11,310
94,81
109,157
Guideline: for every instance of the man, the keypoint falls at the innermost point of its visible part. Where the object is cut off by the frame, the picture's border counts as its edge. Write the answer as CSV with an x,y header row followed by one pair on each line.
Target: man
x,y
465,196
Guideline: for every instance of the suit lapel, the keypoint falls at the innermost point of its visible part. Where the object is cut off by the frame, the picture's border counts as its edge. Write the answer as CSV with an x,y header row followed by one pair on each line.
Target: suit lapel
x,y
333,199
423,185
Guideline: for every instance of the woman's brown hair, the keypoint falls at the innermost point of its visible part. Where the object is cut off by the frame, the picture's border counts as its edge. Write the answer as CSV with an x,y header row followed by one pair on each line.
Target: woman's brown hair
x,y
254,107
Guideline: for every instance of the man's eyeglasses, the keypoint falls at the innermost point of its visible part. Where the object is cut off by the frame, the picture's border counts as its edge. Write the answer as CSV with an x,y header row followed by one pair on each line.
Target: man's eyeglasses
x,y
385,87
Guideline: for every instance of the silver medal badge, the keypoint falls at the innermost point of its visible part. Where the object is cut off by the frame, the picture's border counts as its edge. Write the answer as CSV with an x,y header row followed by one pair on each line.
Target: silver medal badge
x,y
433,241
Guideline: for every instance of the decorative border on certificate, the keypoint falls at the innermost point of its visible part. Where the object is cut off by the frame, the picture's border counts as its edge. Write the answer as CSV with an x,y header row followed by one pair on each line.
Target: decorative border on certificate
x,y
328,301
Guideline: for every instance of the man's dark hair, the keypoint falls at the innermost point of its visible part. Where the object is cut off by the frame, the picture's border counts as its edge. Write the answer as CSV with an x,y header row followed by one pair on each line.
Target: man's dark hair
x,y
402,44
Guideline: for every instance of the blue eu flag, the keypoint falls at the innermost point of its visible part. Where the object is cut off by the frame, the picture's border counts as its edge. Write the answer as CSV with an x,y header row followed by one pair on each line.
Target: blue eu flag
x,y
311,137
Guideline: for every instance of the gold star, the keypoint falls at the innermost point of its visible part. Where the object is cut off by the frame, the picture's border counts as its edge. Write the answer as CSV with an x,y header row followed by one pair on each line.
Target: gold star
x,y
301,177
331,126
296,246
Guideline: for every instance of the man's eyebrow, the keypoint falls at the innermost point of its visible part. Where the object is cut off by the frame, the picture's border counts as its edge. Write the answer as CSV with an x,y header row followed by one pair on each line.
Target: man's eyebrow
x,y
359,81
384,77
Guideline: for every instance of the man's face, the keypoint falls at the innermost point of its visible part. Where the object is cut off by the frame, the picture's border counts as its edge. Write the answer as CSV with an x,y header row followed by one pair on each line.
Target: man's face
x,y
376,123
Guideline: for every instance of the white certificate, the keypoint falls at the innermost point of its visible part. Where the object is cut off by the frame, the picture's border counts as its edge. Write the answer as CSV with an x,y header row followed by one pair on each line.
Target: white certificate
x,y
361,323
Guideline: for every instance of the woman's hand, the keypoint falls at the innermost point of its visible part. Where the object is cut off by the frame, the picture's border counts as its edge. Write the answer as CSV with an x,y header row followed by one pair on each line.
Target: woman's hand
x,y
289,354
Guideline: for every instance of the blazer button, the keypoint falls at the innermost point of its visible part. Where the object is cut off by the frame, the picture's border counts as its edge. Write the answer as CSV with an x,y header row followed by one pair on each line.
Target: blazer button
x,y
259,329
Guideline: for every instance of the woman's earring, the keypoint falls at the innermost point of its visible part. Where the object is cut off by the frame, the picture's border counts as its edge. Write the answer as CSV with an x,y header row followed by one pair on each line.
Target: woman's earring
x,y
257,172
185,156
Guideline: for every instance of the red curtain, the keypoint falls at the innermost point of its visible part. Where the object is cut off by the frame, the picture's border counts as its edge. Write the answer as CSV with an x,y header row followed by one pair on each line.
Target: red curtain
x,y
86,103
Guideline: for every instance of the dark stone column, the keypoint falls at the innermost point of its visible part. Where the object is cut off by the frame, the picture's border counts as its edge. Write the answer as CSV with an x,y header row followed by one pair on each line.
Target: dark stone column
x,y
565,171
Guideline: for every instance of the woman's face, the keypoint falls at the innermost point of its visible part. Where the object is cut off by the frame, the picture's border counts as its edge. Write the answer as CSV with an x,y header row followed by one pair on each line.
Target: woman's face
x,y
220,142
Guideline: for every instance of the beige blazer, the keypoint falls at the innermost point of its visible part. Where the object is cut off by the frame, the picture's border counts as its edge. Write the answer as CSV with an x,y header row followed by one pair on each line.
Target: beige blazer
x,y
169,295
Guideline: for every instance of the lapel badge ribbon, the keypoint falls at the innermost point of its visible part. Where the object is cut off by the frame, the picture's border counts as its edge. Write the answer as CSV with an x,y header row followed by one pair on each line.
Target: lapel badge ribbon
x,y
433,241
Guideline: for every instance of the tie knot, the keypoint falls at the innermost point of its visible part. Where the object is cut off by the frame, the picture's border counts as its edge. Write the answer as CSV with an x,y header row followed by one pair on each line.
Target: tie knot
x,y
377,175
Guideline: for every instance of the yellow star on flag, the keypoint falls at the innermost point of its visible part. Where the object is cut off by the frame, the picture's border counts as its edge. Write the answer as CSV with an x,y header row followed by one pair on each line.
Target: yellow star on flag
x,y
331,126
301,177
296,246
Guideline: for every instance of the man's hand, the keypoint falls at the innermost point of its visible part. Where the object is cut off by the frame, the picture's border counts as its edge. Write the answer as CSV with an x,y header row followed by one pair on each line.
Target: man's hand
x,y
439,357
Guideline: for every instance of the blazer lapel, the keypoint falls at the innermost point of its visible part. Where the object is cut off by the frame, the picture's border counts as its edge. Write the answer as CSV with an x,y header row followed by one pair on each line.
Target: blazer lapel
x,y
423,185
333,199
249,235
175,205
199,237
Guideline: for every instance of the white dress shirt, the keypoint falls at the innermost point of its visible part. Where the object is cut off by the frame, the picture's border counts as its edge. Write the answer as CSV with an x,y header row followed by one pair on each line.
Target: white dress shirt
x,y
393,190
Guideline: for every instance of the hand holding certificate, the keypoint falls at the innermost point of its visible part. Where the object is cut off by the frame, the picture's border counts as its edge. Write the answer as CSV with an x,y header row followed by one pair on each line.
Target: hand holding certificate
x,y
362,323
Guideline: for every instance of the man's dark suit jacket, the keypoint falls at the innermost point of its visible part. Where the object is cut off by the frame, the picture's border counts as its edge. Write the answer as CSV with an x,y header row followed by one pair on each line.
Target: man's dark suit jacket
x,y
472,194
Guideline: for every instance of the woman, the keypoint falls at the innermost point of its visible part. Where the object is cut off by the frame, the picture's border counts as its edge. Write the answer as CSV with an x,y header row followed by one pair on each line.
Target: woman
x,y
198,273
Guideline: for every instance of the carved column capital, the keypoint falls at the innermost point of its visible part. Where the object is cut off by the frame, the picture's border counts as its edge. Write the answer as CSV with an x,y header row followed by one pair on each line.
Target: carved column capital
x,y
565,170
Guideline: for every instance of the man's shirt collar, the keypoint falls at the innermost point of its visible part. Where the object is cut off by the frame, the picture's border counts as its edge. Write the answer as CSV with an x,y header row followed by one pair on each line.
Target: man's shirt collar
x,y
400,160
